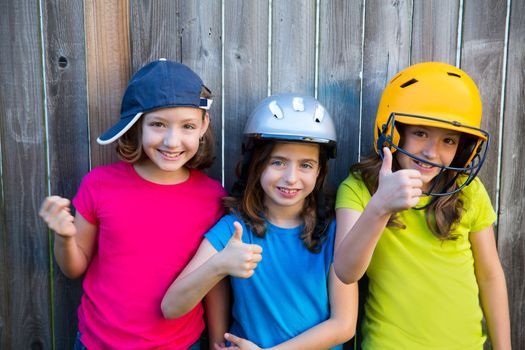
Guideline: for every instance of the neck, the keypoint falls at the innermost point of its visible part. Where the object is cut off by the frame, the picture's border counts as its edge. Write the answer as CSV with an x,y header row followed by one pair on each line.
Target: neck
x,y
285,217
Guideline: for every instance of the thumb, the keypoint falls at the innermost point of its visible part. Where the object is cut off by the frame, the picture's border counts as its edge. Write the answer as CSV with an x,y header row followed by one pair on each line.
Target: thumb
x,y
238,231
386,167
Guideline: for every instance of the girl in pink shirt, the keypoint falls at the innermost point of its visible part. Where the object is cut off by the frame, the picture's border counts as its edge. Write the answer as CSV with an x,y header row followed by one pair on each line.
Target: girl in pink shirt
x,y
138,222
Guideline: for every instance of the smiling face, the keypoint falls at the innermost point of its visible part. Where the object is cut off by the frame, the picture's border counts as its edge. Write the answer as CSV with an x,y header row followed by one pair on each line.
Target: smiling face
x,y
289,177
170,138
432,144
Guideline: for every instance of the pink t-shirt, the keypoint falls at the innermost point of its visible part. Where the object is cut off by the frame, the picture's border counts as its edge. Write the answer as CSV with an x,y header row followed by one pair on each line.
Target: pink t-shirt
x,y
147,234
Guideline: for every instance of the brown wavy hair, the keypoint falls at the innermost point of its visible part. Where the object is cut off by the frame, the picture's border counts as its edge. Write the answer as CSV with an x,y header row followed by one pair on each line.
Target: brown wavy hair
x,y
247,199
441,214
129,145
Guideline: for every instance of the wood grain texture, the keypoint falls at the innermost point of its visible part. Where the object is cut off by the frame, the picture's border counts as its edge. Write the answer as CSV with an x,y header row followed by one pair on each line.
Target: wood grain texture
x,y
155,32
482,58
68,135
386,52
340,52
25,319
201,50
108,69
511,222
435,31
245,73
293,46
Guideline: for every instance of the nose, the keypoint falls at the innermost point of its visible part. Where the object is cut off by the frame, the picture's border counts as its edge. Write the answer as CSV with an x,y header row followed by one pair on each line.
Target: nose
x,y
171,138
430,150
290,175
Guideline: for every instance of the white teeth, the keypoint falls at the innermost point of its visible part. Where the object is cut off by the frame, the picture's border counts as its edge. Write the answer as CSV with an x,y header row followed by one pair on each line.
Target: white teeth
x,y
424,165
287,190
170,154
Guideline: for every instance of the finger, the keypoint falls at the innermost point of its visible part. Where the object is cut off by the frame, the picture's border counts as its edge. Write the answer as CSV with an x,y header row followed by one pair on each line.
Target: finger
x,y
255,248
256,258
47,204
238,231
233,339
386,167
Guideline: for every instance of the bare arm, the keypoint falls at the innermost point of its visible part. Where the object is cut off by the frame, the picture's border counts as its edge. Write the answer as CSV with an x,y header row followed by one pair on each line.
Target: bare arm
x,y
492,287
206,269
217,306
75,238
360,232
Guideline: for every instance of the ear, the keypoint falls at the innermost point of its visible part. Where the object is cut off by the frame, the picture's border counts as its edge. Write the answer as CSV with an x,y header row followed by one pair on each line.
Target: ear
x,y
205,124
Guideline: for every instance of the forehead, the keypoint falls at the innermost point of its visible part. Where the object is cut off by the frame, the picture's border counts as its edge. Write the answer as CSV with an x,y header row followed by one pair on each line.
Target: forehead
x,y
296,150
175,112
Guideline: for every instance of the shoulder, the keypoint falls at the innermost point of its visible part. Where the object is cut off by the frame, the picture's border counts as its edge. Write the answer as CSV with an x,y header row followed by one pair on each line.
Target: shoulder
x,y
474,192
352,192
206,182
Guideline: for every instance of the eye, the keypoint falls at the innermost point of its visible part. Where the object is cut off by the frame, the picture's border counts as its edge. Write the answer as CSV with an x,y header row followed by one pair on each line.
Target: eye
x,y
277,163
420,133
450,141
307,165
189,126
156,124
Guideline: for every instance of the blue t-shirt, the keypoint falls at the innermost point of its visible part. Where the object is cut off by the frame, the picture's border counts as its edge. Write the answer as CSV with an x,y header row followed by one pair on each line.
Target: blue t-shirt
x,y
288,294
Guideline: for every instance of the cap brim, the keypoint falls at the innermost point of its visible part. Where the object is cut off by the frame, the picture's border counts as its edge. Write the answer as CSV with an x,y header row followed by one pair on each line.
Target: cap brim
x,y
118,129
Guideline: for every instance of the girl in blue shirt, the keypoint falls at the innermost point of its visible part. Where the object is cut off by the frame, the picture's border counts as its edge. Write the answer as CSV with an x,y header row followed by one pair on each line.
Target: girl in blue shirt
x,y
277,244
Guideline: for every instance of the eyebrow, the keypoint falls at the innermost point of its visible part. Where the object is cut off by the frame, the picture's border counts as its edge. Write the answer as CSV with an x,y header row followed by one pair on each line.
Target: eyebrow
x,y
300,160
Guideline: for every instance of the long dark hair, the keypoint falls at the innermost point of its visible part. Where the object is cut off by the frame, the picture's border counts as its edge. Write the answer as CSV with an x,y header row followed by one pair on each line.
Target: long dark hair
x,y
247,198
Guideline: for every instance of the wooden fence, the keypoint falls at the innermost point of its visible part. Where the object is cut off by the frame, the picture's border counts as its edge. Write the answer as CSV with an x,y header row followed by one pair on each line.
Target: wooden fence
x,y
65,64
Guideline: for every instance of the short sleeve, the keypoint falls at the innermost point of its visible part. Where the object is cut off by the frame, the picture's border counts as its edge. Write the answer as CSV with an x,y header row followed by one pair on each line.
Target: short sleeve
x,y
352,194
84,201
478,206
220,234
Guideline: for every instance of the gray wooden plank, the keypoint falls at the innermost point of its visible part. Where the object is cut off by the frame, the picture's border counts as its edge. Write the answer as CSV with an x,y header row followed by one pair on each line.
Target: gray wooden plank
x,y
108,69
245,73
201,50
66,99
511,223
340,52
434,31
155,31
482,58
26,313
386,52
293,46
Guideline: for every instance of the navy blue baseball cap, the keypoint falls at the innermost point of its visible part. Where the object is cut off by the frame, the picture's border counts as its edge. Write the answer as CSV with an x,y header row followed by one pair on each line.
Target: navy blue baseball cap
x,y
159,84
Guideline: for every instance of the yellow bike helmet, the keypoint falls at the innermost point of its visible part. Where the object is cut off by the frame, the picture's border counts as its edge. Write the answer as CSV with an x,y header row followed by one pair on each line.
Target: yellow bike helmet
x,y
438,95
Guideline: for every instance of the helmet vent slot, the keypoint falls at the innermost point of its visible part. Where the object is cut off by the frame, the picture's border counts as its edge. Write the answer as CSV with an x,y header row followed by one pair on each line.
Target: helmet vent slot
x,y
408,83
454,74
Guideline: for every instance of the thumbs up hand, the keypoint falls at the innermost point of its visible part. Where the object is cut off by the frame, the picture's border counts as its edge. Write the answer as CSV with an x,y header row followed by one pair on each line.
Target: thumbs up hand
x,y
240,259
397,190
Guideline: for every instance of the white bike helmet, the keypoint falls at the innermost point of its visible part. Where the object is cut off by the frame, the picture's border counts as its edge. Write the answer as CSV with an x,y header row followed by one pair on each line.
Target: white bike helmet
x,y
293,117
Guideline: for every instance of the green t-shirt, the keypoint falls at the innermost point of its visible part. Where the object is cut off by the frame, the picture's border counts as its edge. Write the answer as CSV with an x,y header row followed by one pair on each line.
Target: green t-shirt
x,y
423,292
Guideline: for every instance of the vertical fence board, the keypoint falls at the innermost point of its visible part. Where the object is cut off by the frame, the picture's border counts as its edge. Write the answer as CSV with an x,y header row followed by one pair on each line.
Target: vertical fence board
x,y
108,69
293,46
65,65
245,73
201,50
482,59
386,51
511,232
435,30
340,52
25,318
155,32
